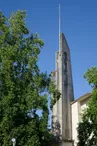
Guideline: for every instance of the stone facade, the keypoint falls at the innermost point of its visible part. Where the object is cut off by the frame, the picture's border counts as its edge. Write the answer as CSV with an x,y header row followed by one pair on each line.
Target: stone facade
x,y
66,111
62,126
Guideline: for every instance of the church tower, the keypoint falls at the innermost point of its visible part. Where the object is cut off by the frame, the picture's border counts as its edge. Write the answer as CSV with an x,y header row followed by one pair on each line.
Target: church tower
x,y
63,78
61,116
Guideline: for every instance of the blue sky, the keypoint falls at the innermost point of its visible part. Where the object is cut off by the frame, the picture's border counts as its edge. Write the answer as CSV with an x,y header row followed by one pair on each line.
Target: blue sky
x,y
78,23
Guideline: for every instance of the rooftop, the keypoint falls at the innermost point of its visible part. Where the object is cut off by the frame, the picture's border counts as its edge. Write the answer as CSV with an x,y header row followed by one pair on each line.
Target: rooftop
x,y
87,95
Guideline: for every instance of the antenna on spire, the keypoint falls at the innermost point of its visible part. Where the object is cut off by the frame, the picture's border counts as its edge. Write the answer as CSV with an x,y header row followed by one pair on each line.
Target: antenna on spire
x,y
59,26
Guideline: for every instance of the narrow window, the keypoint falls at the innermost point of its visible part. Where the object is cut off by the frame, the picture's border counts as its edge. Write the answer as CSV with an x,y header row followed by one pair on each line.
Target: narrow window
x,y
65,57
65,68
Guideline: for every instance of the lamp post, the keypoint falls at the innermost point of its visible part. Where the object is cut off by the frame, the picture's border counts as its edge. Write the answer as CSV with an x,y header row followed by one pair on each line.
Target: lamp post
x,y
13,141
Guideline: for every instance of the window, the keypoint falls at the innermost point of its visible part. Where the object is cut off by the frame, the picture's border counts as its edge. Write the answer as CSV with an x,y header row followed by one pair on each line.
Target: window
x,y
65,57
65,68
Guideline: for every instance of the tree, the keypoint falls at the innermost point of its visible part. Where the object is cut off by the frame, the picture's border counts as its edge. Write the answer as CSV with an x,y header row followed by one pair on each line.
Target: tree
x,y
87,128
24,90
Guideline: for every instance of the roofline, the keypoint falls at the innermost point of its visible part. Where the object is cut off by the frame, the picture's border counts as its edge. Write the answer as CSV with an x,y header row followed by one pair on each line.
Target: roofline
x,y
87,95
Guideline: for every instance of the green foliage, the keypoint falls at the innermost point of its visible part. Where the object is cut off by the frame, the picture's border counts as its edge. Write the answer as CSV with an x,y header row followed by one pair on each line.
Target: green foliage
x,y
85,132
87,128
24,89
91,76
56,94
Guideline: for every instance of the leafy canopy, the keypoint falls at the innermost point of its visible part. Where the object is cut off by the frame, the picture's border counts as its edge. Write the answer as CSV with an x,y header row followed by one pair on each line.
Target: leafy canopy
x,y
24,90
87,128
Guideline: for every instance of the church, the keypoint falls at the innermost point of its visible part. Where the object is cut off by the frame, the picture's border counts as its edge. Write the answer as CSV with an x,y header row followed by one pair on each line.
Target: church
x,y
66,112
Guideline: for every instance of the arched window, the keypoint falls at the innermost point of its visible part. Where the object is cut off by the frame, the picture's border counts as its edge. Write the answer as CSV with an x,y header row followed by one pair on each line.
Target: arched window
x,y
65,62
65,68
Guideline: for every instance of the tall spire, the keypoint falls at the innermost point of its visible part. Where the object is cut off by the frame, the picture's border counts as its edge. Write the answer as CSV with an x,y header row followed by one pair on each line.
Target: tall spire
x,y
59,26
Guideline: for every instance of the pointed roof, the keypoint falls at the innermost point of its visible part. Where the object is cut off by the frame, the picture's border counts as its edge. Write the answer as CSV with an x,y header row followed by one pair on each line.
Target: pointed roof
x,y
63,38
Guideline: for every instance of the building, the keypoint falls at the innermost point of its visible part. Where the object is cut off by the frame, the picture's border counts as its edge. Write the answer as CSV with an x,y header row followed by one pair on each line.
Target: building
x,y
77,108
66,111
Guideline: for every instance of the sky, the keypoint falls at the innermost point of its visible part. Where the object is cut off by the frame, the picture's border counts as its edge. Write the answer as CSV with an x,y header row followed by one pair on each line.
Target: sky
x,y
78,23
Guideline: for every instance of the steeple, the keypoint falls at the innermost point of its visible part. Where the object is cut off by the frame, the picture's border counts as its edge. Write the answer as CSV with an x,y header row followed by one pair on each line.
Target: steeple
x,y
59,25
61,110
